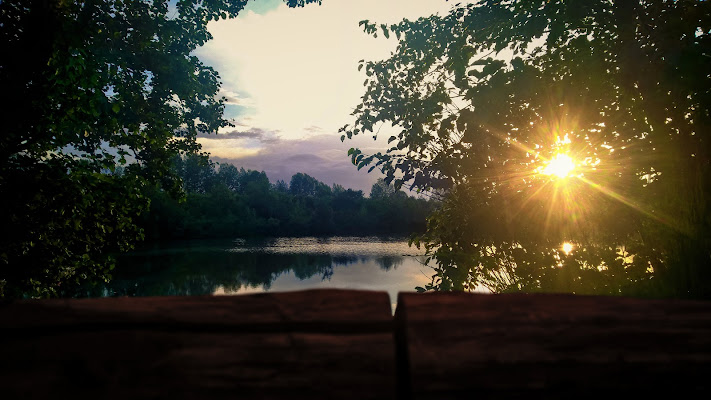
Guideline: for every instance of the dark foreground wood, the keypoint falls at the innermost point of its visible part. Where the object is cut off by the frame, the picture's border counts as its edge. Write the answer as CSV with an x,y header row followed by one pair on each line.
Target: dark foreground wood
x,y
312,344
344,344
551,346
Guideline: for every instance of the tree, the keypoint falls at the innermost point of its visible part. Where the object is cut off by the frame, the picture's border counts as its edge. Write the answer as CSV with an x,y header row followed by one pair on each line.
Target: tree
x,y
281,186
95,84
196,172
381,189
547,122
305,185
229,175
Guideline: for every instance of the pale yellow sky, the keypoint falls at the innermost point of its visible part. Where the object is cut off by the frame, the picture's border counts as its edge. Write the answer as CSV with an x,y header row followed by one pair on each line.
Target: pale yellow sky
x,y
291,79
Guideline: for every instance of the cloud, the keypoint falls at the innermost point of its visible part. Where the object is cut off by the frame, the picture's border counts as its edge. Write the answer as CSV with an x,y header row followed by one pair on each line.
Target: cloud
x,y
235,98
291,80
313,129
304,159
298,67
229,148
323,156
258,134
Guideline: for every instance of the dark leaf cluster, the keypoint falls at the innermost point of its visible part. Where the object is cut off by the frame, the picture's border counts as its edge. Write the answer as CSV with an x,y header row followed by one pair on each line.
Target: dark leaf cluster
x,y
93,87
482,98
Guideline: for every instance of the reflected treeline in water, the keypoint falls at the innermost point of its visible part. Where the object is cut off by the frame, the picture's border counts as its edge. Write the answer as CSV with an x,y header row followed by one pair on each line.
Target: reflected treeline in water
x,y
568,268
387,263
207,268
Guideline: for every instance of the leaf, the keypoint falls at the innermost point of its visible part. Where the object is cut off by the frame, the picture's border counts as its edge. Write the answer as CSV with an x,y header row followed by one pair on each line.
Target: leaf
x,y
384,28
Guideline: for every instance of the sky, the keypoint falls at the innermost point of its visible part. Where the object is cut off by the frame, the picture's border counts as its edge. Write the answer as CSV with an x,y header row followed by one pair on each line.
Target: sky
x,y
291,80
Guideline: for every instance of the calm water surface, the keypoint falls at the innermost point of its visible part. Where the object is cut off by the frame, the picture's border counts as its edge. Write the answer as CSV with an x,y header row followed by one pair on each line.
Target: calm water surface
x,y
276,264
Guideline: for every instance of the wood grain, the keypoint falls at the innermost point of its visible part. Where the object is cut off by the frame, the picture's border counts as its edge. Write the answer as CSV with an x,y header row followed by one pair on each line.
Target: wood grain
x,y
345,344
312,344
460,345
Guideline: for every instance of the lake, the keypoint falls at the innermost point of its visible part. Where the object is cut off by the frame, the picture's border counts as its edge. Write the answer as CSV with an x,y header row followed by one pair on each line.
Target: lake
x,y
225,267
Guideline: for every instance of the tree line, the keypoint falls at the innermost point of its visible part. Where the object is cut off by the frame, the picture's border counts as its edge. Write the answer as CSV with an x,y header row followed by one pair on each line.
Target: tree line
x,y
480,100
222,200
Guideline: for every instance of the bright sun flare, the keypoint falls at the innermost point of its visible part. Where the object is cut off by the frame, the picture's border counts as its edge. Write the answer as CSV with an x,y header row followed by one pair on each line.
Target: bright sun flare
x,y
561,166
567,248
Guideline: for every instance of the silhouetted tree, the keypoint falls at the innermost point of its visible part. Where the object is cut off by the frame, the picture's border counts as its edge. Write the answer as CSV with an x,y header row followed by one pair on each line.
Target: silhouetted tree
x,y
229,175
281,186
94,84
305,185
381,189
196,172
487,99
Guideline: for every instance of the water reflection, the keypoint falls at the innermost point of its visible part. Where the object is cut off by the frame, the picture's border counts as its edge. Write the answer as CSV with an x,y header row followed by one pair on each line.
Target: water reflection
x,y
370,246
280,264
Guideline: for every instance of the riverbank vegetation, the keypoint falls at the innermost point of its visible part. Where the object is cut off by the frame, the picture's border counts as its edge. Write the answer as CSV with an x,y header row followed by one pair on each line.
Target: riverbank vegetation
x,y
571,139
94,85
224,201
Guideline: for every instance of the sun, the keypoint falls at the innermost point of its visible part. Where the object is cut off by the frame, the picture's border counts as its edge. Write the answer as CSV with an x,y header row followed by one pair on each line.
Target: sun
x,y
567,248
561,166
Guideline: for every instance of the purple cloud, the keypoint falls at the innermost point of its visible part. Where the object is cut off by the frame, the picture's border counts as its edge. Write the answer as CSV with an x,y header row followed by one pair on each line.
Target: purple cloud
x,y
324,157
261,135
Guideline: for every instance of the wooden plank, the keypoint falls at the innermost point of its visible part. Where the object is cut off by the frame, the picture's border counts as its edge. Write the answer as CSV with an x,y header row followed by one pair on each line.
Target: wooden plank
x,y
311,344
339,307
474,345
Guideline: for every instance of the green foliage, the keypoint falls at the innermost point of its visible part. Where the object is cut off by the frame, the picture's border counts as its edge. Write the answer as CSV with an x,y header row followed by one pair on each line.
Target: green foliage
x,y
483,97
304,185
242,203
63,226
94,85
